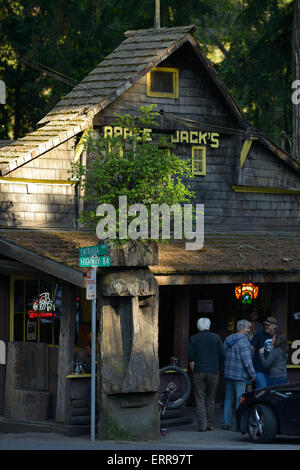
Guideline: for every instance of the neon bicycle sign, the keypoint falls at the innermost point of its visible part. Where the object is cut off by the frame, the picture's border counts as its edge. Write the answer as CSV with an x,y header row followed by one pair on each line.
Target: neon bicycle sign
x,y
43,307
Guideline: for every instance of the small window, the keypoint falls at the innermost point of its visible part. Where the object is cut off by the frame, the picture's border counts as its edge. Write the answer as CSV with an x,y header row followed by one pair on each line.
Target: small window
x,y
199,160
163,82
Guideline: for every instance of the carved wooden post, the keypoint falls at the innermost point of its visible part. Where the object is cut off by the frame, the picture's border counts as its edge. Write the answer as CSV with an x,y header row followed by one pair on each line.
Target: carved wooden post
x,y
128,376
66,351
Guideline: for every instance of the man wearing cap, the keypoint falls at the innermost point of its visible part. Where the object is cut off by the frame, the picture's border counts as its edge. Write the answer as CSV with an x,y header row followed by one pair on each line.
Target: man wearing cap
x,y
263,339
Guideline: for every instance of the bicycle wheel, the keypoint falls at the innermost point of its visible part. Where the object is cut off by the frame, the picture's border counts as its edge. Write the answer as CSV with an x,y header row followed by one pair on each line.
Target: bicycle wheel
x,y
176,385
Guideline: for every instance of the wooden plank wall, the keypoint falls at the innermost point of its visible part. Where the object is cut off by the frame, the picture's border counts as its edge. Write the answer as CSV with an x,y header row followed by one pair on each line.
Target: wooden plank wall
x,y
4,330
38,205
225,210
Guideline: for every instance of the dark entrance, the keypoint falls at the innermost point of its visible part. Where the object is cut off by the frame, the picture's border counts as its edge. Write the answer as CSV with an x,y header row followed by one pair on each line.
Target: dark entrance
x,y
215,301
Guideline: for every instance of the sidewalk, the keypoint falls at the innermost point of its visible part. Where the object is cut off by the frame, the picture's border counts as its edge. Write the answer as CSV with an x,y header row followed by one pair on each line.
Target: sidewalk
x,y
179,438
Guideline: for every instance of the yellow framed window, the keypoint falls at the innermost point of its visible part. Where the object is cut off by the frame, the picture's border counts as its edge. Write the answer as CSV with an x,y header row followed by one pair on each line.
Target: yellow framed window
x,y
199,160
163,82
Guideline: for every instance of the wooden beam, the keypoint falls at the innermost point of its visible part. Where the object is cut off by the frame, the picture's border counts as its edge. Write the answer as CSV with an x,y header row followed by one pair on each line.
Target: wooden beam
x,y
81,144
182,326
65,353
49,266
157,14
263,190
245,151
4,331
181,279
34,181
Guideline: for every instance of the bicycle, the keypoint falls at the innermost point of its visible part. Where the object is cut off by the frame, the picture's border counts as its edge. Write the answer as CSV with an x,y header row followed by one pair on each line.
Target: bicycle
x,y
174,390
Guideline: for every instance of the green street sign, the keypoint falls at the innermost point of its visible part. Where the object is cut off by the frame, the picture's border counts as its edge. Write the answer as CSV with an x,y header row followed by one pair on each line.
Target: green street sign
x,y
95,250
94,261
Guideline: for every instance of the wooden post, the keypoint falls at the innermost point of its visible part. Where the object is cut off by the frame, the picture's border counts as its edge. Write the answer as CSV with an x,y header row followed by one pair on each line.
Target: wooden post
x,y
182,326
279,304
4,332
66,351
296,76
157,14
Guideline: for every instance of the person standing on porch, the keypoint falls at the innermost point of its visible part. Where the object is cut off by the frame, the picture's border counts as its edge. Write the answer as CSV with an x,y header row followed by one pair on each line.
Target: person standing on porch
x,y
276,360
256,326
263,339
238,368
205,356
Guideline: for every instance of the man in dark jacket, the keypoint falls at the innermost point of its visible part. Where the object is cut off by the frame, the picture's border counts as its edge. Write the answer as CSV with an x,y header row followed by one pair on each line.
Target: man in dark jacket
x,y
205,355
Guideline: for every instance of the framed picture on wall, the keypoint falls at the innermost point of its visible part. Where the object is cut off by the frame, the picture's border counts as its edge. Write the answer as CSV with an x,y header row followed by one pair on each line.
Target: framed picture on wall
x,y
205,306
31,331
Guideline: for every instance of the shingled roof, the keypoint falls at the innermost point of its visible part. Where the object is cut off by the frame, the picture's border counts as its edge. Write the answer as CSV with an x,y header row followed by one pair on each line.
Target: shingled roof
x,y
132,59
221,253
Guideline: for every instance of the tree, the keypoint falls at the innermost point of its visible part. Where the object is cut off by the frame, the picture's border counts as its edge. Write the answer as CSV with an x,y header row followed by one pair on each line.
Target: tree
x,y
257,68
46,48
133,166
248,41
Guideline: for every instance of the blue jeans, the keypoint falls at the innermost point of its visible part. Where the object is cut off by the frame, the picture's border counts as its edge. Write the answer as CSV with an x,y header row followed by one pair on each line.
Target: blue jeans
x,y
233,388
277,380
261,379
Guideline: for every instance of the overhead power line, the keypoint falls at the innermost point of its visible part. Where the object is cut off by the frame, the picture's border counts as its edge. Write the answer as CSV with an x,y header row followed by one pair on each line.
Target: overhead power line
x,y
169,116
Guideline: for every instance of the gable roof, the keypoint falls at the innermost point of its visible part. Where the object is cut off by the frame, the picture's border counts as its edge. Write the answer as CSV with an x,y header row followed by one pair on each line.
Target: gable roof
x,y
131,60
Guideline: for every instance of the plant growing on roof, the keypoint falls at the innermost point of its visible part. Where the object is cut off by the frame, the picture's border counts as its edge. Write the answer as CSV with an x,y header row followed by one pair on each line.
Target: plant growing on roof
x,y
131,166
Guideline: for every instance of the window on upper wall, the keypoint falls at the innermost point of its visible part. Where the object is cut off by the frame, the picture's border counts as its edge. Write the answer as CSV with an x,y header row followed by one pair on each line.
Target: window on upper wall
x,y
163,82
199,160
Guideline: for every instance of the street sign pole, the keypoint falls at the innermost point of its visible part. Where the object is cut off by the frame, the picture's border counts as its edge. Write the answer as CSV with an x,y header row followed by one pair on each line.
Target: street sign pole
x,y
93,368
92,257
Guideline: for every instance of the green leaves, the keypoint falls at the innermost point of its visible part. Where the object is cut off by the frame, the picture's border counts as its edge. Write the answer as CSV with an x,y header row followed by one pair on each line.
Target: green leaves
x,y
133,167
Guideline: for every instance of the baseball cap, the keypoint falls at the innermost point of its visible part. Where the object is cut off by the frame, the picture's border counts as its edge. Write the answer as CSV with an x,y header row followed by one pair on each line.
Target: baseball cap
x,y
271,321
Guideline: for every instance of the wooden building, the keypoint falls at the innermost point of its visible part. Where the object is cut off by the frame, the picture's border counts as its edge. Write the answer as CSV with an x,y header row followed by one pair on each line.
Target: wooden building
x,y
249,186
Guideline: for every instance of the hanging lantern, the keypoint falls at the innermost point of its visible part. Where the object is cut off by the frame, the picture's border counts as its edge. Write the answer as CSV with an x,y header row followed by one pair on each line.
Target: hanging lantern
x,y
247,292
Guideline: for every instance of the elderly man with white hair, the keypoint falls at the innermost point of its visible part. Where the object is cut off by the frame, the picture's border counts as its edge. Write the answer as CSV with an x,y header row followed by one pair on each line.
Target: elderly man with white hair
x,y
205,355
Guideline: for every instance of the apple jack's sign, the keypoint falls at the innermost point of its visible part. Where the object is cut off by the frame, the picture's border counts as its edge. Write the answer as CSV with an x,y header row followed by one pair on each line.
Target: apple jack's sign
x,y
194,137
43,307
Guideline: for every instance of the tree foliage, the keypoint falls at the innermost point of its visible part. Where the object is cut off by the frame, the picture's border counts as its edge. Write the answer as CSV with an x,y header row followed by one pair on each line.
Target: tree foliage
x,y
248,40
258,65
131,165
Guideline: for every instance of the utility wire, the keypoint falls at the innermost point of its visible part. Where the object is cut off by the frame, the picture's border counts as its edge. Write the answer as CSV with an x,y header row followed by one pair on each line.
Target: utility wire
x,y
169,116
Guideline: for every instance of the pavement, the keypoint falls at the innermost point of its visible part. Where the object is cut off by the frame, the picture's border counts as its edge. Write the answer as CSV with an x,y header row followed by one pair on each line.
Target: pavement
x,y
183,438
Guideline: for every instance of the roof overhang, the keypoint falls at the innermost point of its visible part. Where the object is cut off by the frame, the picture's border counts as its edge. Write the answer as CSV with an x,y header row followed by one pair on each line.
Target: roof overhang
x,y
38,262
225,257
